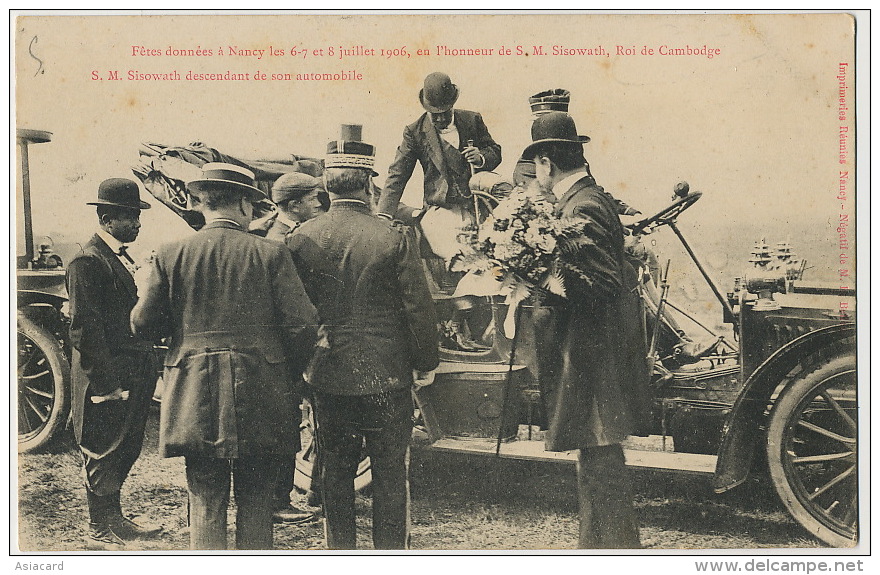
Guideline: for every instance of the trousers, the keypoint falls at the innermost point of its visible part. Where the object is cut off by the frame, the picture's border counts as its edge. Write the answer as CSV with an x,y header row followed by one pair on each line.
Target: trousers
x,y
380,425
121,425
208,482
605,495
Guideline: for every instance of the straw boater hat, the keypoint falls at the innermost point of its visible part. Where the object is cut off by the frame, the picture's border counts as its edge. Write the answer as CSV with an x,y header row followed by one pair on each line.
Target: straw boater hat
x,y
120,192
439,93
554,127
349,151
219,176
555,100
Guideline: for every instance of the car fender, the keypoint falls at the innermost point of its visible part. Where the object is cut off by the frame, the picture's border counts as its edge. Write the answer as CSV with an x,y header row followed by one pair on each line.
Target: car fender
x,y
741,431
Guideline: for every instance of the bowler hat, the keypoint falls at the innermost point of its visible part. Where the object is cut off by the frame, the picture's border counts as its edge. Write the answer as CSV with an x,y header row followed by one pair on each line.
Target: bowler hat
x,y
439,93
120,192
293,186
555,100
218,176
553,127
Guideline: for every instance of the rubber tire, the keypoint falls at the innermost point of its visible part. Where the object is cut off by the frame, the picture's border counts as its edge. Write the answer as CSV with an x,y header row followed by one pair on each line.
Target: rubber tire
x,y
790,405
59,369
302,477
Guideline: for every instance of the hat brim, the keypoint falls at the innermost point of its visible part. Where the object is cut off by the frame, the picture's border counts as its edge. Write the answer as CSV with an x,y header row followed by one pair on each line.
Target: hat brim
x,y
437,109
140,206
538,143
251,192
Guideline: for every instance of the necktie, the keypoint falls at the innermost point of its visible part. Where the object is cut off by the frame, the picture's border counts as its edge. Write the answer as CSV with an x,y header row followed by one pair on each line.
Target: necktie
x,y
123,252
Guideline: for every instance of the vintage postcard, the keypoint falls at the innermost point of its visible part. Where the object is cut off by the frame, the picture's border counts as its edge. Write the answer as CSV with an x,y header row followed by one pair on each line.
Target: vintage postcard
x,y
724,146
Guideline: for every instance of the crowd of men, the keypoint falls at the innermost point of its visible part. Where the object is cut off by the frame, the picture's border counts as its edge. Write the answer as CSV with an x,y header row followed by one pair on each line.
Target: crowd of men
x,y
333,304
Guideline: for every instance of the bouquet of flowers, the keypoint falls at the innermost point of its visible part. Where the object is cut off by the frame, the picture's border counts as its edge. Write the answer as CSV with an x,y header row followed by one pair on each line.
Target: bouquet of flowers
x,y
527,250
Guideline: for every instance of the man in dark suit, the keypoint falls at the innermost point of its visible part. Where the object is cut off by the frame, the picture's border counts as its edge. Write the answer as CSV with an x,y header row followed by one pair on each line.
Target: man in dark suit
x,y
447,142
450,144
378,326
114,373
593,354
241,328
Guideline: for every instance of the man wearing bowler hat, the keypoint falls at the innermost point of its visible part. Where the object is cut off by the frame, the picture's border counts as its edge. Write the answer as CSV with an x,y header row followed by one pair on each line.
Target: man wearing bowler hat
x,y
114,372
451,144
379,333
240,330
591,358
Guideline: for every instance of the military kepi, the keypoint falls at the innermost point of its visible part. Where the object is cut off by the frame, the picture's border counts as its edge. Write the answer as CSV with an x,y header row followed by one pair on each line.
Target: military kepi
x,y
120,192
555,100
219,176
349,151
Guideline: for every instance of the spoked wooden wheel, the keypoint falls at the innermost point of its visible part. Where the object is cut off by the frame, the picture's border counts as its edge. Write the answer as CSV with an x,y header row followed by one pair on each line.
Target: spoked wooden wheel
x,y
306,459
43,378
812,451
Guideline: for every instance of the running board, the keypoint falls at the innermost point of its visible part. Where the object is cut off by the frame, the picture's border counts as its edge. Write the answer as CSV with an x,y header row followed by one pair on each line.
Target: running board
x,y
687,463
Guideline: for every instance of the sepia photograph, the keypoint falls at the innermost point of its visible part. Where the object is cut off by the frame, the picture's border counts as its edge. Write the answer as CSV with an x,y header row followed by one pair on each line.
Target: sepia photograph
x,y
563,283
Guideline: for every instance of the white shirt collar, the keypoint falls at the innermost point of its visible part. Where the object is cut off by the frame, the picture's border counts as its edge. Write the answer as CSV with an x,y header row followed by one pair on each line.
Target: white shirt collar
x,y
282,218
110,241
227,220
565,184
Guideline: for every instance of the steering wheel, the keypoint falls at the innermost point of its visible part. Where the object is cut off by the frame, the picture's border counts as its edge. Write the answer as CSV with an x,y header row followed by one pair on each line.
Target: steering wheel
x,y
667,214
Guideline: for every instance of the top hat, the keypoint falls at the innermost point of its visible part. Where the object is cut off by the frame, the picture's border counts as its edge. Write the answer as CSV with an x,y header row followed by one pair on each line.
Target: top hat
x,y
553,127
439,93
293,186
349,152
555,100
120,192
221,176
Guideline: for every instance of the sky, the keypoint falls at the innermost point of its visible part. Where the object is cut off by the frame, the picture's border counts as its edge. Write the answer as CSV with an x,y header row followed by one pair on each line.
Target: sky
x,y
755,127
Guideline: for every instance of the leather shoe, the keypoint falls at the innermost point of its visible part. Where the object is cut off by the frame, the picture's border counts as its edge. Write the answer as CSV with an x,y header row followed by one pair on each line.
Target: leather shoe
x,y
128,529
292,515
102,538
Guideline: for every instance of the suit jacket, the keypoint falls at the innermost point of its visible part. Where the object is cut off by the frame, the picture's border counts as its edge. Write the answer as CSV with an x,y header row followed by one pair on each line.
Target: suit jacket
x,y
446,172
240,328
106,355
271,228
366,279
592,344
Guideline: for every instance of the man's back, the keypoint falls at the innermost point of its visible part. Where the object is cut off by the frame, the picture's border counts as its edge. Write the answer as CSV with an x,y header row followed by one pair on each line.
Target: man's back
x,y
367,283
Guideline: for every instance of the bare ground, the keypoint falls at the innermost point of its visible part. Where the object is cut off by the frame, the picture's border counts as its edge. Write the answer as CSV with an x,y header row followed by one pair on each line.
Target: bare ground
x,y
459,502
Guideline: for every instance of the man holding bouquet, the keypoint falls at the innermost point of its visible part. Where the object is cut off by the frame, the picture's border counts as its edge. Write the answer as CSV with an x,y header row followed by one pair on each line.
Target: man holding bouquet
x,y
596,366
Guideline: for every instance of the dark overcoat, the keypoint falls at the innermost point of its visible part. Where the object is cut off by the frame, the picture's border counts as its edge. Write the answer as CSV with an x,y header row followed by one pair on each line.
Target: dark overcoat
x,y
240,326
592,345
105,354
446,172
364,276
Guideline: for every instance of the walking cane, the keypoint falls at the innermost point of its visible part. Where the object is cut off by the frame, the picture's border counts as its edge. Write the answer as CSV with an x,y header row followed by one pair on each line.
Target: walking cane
x,y
507,383
470,144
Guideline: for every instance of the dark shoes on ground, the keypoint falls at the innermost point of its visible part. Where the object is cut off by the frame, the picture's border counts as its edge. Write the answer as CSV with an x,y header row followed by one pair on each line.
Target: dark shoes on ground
x,y
101,537
112,535
292,515
128,529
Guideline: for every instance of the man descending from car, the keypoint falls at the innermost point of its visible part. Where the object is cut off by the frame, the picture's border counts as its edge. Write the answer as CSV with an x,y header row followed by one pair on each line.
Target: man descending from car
x,y
593,367
378,330
451,144
114,373
240,329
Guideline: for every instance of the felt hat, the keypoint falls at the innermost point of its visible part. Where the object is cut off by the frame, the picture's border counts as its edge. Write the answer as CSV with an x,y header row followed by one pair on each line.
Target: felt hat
x,y
553,127
293,186
524,171
555,100
439,93
218,176
349,151
120,192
